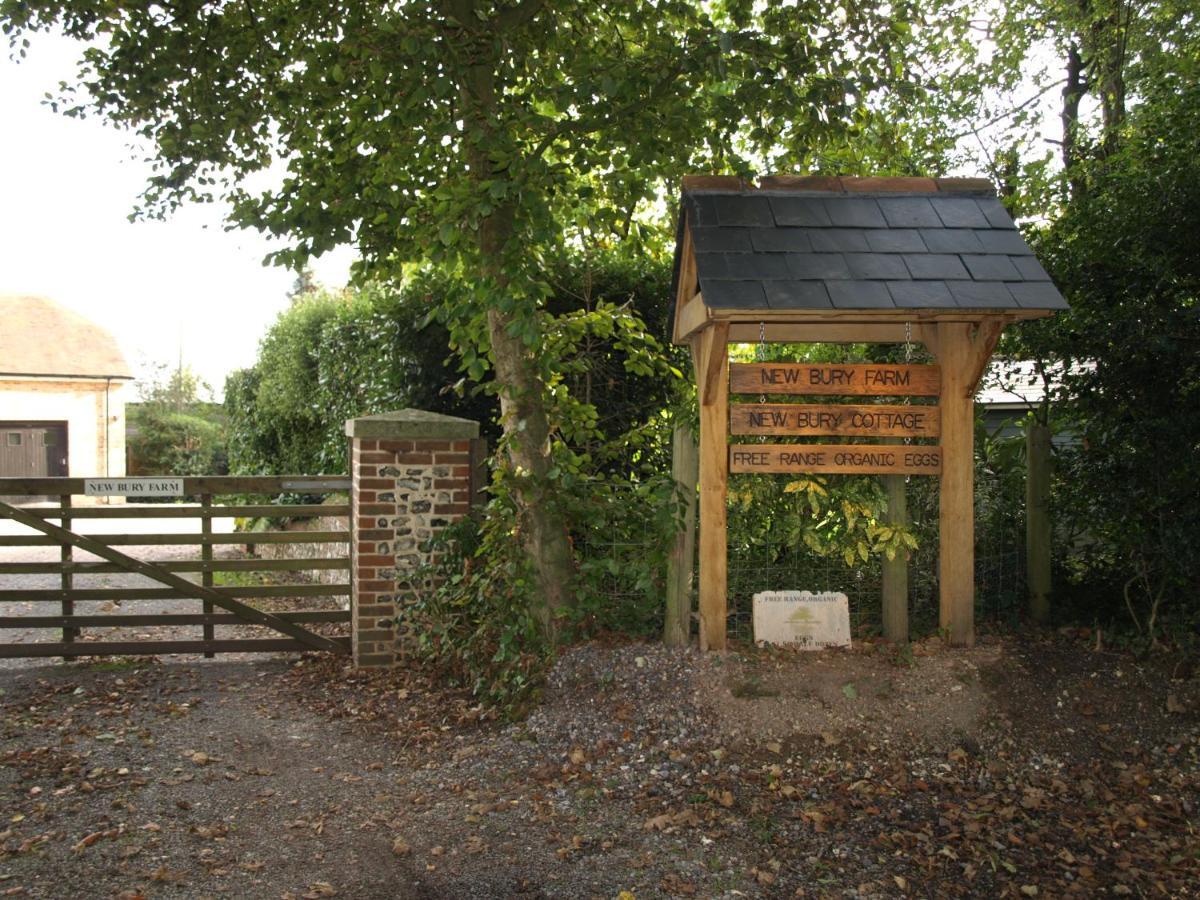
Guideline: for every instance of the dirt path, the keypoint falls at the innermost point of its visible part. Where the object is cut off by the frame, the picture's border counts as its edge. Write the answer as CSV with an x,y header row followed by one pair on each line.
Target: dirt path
x,y
1006,771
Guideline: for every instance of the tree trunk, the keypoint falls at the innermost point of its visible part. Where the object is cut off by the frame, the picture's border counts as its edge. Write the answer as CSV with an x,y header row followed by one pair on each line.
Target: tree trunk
x,y
527,430
1072,94
543,528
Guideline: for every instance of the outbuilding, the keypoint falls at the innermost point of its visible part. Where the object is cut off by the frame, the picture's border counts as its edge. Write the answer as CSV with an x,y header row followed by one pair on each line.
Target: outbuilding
x,y
63,381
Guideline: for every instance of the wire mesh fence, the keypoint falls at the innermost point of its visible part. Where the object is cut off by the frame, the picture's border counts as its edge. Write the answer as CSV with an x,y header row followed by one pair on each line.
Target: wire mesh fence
x,y
623,554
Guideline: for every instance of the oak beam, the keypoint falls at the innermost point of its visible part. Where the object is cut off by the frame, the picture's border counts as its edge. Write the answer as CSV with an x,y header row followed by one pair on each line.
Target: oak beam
x,y
962,352
692,317
711,358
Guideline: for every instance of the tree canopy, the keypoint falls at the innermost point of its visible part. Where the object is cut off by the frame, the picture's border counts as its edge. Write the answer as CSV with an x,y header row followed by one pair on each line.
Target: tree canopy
x,y
486,135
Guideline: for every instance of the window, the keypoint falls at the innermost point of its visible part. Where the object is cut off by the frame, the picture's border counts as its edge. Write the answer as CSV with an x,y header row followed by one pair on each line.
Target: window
x,y
49,438
14,439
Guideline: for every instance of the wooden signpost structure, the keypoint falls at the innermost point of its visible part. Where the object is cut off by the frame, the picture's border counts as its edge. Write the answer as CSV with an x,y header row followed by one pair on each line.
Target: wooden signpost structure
x,y
847,260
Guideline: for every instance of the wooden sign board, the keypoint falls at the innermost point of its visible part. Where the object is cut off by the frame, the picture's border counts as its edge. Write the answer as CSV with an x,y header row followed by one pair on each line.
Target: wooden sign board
x,y
857,379
820,419
836,459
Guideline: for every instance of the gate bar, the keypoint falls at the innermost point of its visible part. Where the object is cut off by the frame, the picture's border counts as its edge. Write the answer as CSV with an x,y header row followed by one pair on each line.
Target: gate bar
x,y
185,587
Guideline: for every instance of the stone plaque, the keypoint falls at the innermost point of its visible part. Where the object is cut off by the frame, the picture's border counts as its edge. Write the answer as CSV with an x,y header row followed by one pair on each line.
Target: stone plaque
x,y
809,621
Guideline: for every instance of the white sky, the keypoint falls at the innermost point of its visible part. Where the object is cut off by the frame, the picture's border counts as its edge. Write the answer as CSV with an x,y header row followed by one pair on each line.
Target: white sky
x,y
66,191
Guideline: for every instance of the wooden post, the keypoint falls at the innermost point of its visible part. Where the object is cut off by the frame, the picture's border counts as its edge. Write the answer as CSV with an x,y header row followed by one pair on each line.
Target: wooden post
x,y
710,353
206,554
66,556
1037,520
956,519
685,469
895,571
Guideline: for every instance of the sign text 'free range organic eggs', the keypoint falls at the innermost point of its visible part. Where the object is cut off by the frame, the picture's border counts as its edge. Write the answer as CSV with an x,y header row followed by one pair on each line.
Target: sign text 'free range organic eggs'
x,y
836,459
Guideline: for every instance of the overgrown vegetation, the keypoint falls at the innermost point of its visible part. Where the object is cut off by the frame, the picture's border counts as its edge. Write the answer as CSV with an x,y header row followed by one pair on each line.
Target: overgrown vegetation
x,y
503,168
176,429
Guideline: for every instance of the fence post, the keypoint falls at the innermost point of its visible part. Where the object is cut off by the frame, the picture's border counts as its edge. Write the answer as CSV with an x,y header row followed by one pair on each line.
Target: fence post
x,y
206,555
66,555
895,571
412,473
685,469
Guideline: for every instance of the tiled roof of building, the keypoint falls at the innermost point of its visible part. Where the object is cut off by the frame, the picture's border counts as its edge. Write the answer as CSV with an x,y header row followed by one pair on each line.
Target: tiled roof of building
x,y
39,337
816,243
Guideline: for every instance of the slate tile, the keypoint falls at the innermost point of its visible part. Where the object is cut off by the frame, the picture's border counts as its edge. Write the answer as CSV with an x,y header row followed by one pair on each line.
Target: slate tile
x,y
806,212
1030,268
876,265
702,210
894,240
838,240
959,212
807,266
1000,241
990,268
921,294
722,240
935,265
859,294
995,213
1037,295
909,212
797,295
743,209
752,265
854,212
956,240
981,294
780,240
711,265
737,294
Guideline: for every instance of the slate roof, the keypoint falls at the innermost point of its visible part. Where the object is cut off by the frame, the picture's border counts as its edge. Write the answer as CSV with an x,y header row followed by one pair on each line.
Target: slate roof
x,y
39,337
860,244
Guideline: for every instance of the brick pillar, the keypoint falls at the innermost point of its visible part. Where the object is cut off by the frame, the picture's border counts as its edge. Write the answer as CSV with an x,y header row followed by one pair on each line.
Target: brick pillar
x,y
412,474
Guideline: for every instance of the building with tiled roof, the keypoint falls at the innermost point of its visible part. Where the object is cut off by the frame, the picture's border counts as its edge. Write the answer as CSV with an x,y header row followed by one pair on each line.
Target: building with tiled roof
x,y
63,380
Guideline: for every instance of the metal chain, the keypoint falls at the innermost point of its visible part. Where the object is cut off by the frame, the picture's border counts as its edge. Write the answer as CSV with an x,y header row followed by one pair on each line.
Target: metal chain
x,y
762,352
907,359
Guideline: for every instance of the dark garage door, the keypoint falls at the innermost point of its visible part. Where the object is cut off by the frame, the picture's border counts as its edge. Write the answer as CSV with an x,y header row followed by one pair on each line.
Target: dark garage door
x,y
33,449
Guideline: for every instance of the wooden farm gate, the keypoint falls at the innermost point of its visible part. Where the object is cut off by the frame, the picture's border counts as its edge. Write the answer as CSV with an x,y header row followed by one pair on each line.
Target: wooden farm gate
x,y
212,498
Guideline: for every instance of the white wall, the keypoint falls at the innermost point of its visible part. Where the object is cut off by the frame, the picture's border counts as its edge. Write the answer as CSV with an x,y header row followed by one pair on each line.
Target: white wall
x,y
93,449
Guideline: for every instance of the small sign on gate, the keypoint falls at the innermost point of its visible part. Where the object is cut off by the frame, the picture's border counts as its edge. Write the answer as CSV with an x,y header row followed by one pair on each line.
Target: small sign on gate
x,y
133,487
807,620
